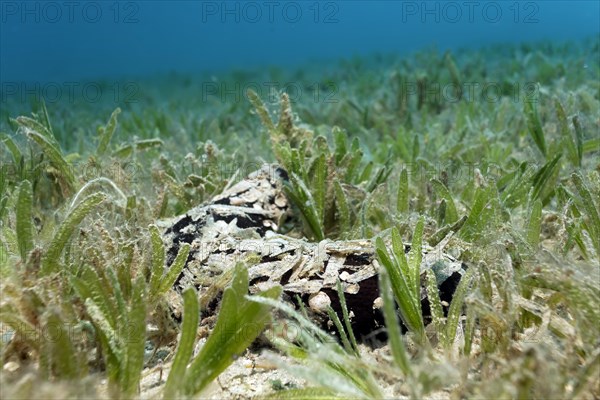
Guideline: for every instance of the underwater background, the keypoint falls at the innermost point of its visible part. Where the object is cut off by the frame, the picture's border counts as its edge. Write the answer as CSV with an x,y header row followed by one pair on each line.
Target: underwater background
x,y
468,127
178,67
44,41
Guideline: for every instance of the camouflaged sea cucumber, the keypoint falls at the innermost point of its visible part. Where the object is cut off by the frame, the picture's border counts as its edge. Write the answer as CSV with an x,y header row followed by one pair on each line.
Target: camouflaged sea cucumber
x,y
243,222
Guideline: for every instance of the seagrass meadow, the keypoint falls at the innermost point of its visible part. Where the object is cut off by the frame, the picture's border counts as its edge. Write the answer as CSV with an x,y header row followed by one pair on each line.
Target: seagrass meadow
x,y
499,146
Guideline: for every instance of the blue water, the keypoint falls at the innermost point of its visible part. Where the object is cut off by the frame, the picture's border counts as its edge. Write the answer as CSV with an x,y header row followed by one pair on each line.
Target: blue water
x,y
45,41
